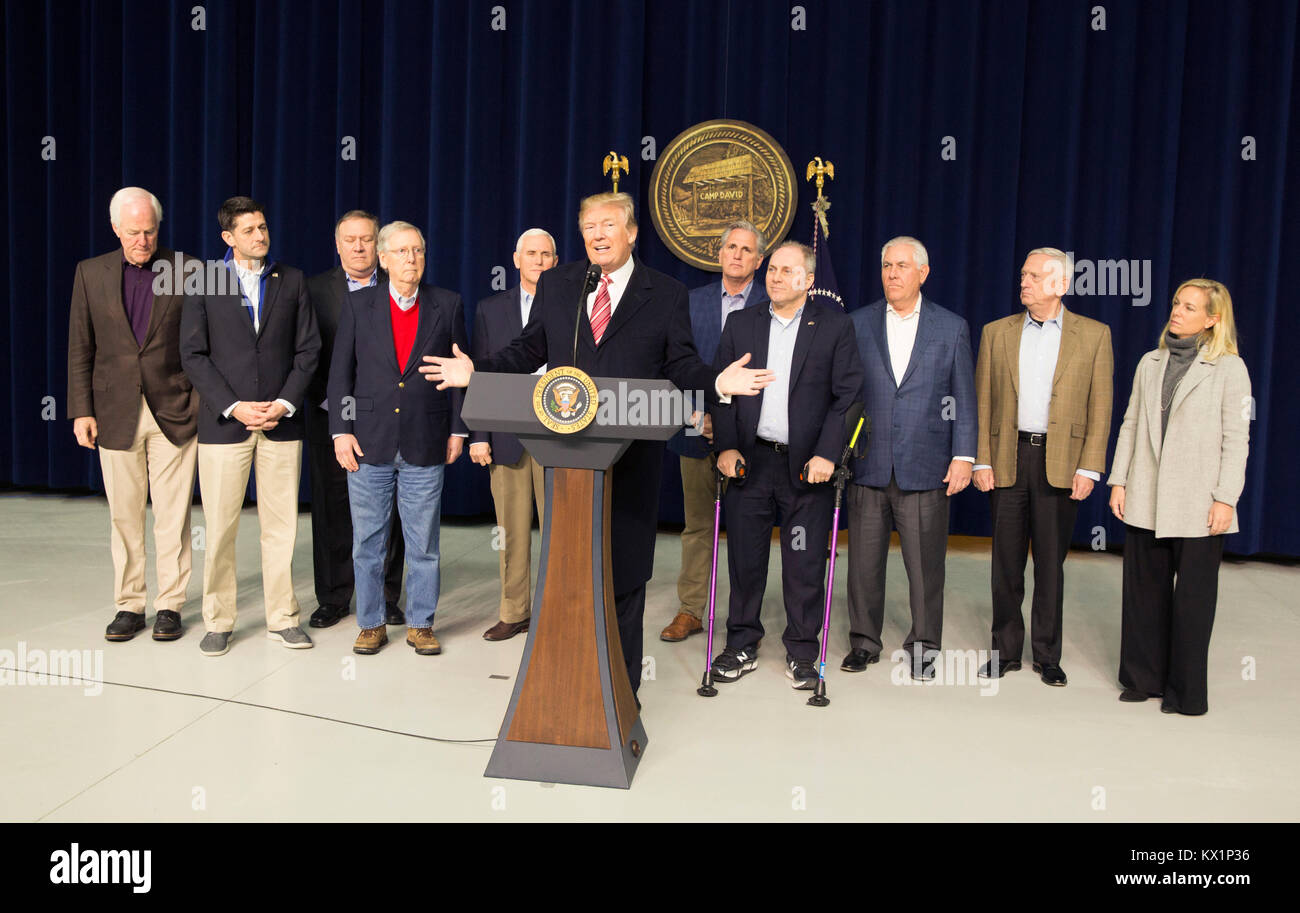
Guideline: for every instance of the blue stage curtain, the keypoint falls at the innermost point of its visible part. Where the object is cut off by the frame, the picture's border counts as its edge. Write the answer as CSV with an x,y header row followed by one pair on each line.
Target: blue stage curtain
x,y
1128,142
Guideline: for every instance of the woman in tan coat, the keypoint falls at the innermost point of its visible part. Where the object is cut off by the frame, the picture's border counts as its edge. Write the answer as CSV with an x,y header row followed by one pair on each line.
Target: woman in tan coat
x,y
1180,465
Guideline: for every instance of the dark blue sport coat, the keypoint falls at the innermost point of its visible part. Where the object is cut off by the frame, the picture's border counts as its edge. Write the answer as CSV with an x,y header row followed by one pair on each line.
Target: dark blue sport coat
x,y
394,408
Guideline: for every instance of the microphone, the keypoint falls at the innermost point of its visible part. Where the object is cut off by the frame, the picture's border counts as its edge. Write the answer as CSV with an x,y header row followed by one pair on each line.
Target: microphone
x,y
588,286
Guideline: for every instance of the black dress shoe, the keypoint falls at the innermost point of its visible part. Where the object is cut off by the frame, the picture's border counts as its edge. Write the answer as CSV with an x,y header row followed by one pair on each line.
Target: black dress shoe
x,y
1050,674
858,660
393,615
1003,667
1133,696
923,671
125,626
328,615
167,625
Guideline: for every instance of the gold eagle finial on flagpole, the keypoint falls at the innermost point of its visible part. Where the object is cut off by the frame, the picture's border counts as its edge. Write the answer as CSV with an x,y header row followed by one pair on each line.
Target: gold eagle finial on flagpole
x,y
821,170
614,162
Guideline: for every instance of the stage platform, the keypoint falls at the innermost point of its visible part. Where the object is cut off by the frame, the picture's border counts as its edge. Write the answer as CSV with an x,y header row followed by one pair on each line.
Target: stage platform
x,y
160,732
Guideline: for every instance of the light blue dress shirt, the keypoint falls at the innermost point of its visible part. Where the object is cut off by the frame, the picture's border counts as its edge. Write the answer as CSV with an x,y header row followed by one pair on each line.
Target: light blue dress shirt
x,y
774,414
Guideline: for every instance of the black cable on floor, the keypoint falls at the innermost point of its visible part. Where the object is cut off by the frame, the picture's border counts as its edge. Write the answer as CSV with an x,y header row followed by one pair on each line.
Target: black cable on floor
x,y
223,700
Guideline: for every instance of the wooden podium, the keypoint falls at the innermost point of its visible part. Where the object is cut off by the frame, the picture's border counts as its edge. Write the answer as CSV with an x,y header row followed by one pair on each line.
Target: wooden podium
x,y
572,716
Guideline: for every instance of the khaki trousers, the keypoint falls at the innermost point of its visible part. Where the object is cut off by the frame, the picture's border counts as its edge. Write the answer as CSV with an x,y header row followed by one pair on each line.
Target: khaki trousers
x,y
223,479
514,491
697,535
154,468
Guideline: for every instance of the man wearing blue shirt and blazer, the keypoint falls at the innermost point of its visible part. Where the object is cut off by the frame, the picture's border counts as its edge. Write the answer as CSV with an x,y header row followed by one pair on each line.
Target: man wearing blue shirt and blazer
x,y
393,434
518,481
790,438
920,394
740,254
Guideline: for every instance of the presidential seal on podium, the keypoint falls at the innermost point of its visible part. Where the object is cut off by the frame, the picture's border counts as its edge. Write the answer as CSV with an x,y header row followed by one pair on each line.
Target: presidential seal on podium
x,y
565,400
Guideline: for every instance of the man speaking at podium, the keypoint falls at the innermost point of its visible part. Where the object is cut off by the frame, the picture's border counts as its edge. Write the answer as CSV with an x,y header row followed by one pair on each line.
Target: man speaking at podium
x,y
635,323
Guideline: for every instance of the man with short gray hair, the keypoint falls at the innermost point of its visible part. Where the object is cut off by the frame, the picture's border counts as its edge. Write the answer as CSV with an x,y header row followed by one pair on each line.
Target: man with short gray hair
x,y
128,397
741,247
920,393
393,434
517,480
356,236
1043,383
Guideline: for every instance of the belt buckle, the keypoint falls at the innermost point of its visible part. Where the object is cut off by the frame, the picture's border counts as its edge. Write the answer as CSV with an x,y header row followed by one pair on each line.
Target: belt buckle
x,y
1036,439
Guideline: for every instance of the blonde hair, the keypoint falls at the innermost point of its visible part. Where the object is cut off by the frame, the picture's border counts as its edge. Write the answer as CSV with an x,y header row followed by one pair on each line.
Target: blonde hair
x,y
622,200
1221,338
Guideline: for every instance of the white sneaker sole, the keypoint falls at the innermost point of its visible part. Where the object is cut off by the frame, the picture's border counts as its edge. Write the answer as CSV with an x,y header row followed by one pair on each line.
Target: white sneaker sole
x,y
274,635
745,669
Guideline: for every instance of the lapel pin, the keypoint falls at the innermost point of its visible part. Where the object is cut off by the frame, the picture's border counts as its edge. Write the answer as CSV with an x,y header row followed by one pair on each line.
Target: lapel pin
x,y
275,275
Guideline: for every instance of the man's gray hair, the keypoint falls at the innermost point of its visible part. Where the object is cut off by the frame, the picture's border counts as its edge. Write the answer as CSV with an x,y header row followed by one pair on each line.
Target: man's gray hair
x,y
129,195
742,225
519,245
809,258
920,254
393,228
1061,257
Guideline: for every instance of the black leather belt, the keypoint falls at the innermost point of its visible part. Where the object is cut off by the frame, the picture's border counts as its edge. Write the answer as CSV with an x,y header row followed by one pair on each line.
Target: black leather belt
x,y
1035,438
773,445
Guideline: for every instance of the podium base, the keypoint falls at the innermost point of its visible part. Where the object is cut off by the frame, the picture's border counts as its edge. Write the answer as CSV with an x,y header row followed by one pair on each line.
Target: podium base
x,y
569,764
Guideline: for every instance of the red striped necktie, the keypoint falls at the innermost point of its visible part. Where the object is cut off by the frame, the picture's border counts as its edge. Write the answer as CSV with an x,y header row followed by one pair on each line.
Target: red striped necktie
x,y
600,312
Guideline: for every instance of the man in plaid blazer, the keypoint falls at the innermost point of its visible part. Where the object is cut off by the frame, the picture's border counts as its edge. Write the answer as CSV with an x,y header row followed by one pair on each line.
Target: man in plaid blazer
x,y
920,394
1043,382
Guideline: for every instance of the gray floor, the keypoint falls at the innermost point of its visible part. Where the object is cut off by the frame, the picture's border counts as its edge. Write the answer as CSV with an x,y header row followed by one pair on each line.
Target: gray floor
x,y
886,749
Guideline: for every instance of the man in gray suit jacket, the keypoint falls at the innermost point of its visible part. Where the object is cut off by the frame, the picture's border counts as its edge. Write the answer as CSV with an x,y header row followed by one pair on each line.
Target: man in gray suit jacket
x,y
517,480
919,390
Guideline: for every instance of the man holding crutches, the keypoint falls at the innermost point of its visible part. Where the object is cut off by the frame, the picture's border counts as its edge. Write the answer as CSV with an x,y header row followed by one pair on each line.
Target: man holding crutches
x,y
789,437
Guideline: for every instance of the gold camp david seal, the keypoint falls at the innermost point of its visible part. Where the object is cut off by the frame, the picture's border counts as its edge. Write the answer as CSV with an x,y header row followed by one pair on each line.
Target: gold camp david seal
x,y
565,400
714,173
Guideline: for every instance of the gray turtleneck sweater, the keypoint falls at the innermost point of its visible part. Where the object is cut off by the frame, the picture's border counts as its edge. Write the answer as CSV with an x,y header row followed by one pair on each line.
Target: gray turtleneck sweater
x,y
1182,352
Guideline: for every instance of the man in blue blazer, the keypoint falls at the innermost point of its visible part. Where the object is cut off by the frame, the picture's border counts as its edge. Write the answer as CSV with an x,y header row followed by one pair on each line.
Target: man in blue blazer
x,y
517,479
634,324
740,254
790,438
920,394
393,433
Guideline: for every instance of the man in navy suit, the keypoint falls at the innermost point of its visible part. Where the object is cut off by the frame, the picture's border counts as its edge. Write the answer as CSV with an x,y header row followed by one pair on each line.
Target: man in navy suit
x,y
355,236
635,324
920,394
517,479
790,438
392,433
740,254
250,348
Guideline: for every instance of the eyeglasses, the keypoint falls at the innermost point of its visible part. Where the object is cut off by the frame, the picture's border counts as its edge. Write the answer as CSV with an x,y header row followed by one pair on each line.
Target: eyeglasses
x,y
402,253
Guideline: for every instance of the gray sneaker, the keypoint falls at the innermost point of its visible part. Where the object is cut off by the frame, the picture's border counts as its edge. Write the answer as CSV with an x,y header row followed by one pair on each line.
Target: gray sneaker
x,y
215,643
294,638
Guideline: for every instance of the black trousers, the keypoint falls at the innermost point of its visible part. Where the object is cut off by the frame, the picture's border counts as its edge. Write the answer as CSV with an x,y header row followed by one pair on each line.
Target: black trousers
x,y
1031,511
630,608
1171,589
331,522
753,509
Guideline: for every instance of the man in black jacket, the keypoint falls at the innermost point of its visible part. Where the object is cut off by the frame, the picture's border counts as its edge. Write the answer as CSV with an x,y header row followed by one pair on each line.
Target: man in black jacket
x,y
635,324
250,348
790,438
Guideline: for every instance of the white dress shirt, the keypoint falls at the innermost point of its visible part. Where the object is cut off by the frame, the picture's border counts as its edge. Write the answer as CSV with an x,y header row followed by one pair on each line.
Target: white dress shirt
x,y
525,309
618,281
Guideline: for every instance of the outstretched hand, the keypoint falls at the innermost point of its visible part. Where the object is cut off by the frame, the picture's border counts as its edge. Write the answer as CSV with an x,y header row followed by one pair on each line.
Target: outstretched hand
x,y
737,380
448,371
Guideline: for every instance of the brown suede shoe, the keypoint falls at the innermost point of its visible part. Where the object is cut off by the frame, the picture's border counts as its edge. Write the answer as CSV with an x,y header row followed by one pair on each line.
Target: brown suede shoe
x,y
504,630
423,640
370,640
683,626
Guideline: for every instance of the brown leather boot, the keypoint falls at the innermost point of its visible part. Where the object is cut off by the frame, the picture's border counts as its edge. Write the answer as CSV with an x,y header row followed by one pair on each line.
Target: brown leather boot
x,y
423,640
682,627
370,640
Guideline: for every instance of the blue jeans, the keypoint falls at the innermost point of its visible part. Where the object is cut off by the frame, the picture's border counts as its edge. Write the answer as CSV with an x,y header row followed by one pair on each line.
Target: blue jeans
x,y
419,499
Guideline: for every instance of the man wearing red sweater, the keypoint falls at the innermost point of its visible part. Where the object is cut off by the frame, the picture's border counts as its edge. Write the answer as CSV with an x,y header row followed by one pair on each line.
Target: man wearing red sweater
x,y
392,434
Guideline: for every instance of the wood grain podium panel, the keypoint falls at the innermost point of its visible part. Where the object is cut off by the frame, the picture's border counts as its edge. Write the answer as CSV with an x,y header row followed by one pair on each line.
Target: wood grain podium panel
x,y
556,672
